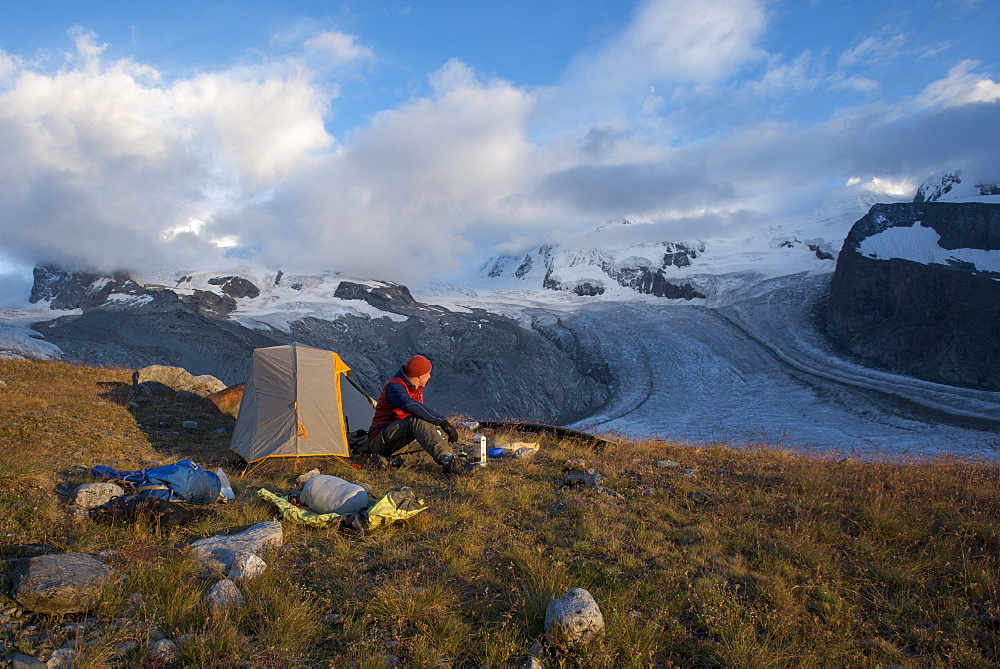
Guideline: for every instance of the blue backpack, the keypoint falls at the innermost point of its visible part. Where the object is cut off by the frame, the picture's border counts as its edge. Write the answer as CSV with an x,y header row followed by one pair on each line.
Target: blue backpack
x,y
183,481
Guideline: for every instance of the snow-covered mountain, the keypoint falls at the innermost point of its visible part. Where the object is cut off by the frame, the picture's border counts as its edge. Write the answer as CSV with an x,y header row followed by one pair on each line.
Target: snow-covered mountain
x,y
621,259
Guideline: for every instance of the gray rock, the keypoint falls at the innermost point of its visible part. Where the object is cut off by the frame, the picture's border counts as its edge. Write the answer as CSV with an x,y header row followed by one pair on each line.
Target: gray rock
x,y
332,619
62,658
190,425
533,663
224,595
221,552
26,662
525,452
125,647
582,479
573,619
177,378
668,464
55,584
90,495
245,567
164,649
608,492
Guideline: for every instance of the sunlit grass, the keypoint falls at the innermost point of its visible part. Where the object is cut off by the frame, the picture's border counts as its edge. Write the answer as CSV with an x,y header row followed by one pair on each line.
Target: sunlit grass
x,y
762,557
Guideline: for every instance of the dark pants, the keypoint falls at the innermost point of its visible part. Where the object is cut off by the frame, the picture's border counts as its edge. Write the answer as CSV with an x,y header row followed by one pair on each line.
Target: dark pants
x,y
399,434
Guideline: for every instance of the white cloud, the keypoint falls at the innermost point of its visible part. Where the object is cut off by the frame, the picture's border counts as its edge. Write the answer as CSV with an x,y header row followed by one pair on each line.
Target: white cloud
x,y
102,158
402,198
873,50
343,48
675,41
962,86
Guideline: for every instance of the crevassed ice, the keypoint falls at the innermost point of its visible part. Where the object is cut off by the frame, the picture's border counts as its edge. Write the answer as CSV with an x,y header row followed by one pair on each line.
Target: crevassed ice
x,y
921,244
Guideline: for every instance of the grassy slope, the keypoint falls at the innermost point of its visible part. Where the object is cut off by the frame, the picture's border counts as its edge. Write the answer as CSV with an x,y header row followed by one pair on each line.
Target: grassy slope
x,y
761,558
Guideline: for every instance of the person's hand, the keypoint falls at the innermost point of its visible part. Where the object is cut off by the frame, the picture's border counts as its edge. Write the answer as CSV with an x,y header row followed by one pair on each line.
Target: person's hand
x,y
450,430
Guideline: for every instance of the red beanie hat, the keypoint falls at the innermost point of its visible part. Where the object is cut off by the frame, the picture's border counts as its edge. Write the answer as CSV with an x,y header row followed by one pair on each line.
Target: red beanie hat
x,y
416,366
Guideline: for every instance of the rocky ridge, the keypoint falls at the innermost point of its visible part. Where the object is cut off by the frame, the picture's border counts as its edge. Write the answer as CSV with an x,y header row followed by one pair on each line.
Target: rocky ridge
x,y
917,289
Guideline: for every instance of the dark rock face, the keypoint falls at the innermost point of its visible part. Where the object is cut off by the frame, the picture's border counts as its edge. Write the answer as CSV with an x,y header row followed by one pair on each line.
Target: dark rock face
x,y
79,290
644,280
485,366
936,322
387,296
235,286
209,304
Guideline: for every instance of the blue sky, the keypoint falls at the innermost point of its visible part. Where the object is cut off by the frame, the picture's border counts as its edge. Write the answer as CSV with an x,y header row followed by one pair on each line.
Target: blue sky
x,y
401,139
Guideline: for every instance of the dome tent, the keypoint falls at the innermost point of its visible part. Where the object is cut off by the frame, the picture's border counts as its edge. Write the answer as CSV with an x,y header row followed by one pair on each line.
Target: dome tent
x,y
295,404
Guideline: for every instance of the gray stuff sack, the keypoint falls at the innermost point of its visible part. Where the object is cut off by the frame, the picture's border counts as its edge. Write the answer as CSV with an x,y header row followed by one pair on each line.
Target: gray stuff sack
x,y
328,494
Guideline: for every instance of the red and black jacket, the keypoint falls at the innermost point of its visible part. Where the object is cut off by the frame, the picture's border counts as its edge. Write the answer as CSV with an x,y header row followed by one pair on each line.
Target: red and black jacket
x,y
399,399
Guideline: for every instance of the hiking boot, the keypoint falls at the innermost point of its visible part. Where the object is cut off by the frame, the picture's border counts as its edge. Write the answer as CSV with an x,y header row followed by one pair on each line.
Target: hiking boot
x,y
457,466
373,461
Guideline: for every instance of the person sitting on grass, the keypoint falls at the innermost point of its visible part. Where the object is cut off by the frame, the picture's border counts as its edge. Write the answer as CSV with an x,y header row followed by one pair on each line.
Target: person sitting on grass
x,y
401,417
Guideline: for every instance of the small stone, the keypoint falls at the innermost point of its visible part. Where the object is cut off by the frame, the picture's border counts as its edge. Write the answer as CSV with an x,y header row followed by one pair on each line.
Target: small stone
x,y
305,477
224,595
668,464
574,464
26,662
90,495
647,491
536,649
246,566
221,430
700,497
608,492
573,619
691,472
332,619
62,658
164,649
592,479
190,425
